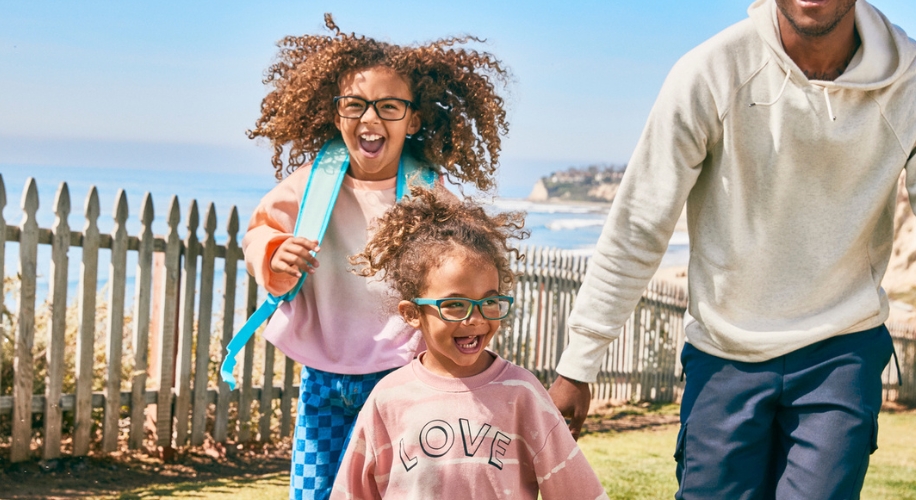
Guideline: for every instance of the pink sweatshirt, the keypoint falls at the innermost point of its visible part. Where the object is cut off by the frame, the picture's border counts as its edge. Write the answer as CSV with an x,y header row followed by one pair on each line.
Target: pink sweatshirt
x,y
496,435
339,322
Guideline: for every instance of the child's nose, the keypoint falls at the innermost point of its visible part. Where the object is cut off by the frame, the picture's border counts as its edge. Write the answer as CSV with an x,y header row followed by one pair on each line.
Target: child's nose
x,y
475,316
370,115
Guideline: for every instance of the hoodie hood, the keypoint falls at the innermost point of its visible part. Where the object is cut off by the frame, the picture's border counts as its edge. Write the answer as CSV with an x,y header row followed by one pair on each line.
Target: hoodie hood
x,y
884,56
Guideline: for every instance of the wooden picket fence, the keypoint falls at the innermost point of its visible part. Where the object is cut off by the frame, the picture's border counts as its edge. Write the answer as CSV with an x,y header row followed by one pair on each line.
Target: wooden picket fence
x,y
900,384
172,355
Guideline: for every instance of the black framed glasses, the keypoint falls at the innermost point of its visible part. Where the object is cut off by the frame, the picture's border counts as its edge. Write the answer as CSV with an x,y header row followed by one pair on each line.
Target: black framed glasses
x,y
389,108
460,308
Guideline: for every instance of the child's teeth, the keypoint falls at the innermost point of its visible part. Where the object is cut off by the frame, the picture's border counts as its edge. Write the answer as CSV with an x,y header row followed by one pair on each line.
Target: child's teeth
x,y
371,137
471,343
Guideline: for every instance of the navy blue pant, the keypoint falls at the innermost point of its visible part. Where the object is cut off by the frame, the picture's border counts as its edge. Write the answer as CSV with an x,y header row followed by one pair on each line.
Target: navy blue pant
x,y
800,426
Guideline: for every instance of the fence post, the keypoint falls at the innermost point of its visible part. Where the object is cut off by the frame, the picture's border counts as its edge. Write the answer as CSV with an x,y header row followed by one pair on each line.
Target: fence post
x,y
86,335
286,399
166,332
202,353
230,268
142,300
25,334
60,247
117,277
186,336
265,408
245,392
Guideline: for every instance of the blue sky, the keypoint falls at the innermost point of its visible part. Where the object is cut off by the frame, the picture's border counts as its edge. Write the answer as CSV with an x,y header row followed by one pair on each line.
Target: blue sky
x,y
175,84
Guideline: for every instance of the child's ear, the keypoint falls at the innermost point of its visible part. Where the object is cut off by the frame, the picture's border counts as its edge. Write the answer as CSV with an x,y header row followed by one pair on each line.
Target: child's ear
x,y
414,126
409,312
337,121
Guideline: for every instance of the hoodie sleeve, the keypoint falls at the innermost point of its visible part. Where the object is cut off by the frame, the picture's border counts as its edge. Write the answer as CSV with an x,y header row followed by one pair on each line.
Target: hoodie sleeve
x,y
683,124
272,222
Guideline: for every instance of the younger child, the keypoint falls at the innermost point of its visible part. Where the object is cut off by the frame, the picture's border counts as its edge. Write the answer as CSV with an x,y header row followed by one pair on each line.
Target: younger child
x,y
458,421
435,103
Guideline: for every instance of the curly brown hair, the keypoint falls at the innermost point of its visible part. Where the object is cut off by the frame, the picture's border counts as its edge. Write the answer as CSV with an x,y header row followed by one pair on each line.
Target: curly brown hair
x,y
461,113
415,235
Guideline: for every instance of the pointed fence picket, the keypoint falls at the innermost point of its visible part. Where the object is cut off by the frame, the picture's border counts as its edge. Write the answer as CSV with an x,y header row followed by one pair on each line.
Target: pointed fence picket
x,y
173,337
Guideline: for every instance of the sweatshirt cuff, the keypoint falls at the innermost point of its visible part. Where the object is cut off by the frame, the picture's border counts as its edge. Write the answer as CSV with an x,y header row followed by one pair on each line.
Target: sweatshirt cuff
x,y
584,355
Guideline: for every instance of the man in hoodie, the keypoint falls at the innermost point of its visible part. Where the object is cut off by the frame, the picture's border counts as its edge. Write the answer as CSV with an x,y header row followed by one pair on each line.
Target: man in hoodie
x,y
784,135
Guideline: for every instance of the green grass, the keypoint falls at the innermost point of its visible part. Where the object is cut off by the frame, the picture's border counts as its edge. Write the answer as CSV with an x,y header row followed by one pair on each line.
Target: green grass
x,y
633,465
892,472
270,486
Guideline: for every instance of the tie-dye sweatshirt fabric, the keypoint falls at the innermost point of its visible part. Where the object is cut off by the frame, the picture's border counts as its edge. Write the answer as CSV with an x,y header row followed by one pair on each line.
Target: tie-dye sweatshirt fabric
x,y
496,435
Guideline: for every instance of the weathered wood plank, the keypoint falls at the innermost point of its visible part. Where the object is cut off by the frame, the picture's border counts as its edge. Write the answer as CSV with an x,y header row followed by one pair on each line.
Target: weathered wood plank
x,y
246,396
265,408
230,268
86,296
57,294
142,304
167,325
117,281
202,353
186,334
286,402
25,333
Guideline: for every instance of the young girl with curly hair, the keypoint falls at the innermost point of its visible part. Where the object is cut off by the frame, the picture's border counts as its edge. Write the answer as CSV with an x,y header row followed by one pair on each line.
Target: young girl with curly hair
x,y
458,421
436,103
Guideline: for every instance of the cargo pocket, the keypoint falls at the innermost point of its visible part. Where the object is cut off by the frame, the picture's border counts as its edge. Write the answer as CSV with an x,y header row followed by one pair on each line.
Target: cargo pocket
x,y
872,446
680,453
874,433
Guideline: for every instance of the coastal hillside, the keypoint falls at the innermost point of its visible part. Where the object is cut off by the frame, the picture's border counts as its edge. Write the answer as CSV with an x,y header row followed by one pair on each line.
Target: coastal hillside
x,y
594,183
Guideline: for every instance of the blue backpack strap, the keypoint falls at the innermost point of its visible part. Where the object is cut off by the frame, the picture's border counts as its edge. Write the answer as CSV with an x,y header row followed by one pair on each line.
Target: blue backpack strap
x,y
327,175
413,173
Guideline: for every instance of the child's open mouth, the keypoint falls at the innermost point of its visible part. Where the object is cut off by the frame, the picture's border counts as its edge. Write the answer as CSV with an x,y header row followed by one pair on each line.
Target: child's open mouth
x,y
468,345
371,143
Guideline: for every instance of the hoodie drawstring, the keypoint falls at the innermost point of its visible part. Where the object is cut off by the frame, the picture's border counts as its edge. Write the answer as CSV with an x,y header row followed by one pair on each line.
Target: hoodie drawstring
x,y
829,108
781,90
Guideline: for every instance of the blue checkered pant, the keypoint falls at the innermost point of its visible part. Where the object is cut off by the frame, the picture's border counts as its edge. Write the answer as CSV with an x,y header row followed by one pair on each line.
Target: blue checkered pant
x,y
327,409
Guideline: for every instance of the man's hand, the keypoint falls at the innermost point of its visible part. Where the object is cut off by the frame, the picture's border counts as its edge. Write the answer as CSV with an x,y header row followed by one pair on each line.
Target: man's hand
x,y
572,398
293,256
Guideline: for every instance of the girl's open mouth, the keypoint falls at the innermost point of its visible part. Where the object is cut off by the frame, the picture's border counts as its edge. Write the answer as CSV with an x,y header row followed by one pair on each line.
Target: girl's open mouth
x,y
371,143
468,345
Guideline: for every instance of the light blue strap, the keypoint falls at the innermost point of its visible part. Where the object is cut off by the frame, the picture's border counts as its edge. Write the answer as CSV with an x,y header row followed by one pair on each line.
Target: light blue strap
x,y
243,336
413,173
327,174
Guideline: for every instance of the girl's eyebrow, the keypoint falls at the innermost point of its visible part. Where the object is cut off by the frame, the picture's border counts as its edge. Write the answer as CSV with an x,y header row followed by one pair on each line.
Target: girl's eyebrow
x,y
462,296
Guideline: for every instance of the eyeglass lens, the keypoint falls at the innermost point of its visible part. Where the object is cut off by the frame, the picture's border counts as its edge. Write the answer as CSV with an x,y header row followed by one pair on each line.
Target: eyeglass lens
x,y
460,309
386,109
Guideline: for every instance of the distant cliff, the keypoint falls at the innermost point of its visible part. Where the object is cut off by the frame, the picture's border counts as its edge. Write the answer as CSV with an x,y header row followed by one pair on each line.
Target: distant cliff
x,y
593,184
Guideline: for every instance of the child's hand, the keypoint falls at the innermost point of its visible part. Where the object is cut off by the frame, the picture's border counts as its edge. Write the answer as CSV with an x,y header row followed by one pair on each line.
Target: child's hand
x,y
294,256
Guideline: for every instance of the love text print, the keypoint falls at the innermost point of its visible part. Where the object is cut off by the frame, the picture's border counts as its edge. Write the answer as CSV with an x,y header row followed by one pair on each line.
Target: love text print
x,y
437,438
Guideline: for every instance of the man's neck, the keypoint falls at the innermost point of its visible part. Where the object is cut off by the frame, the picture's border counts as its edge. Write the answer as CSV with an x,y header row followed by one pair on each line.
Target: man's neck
x,y
822,57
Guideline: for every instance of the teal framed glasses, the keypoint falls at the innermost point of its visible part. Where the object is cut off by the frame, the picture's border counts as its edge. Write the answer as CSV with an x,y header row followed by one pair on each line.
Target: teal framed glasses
x,y
460,308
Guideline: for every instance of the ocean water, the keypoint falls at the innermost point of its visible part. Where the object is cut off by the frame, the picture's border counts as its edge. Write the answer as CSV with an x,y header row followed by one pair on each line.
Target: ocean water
x,y
564,226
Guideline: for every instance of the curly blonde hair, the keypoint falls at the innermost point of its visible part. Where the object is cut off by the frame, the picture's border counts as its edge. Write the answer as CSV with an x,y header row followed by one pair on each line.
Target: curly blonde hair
x,y
461,114
415,235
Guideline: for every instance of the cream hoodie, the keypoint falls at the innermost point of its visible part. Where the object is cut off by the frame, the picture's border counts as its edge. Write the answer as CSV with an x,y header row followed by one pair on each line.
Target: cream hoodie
x,y
789,185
